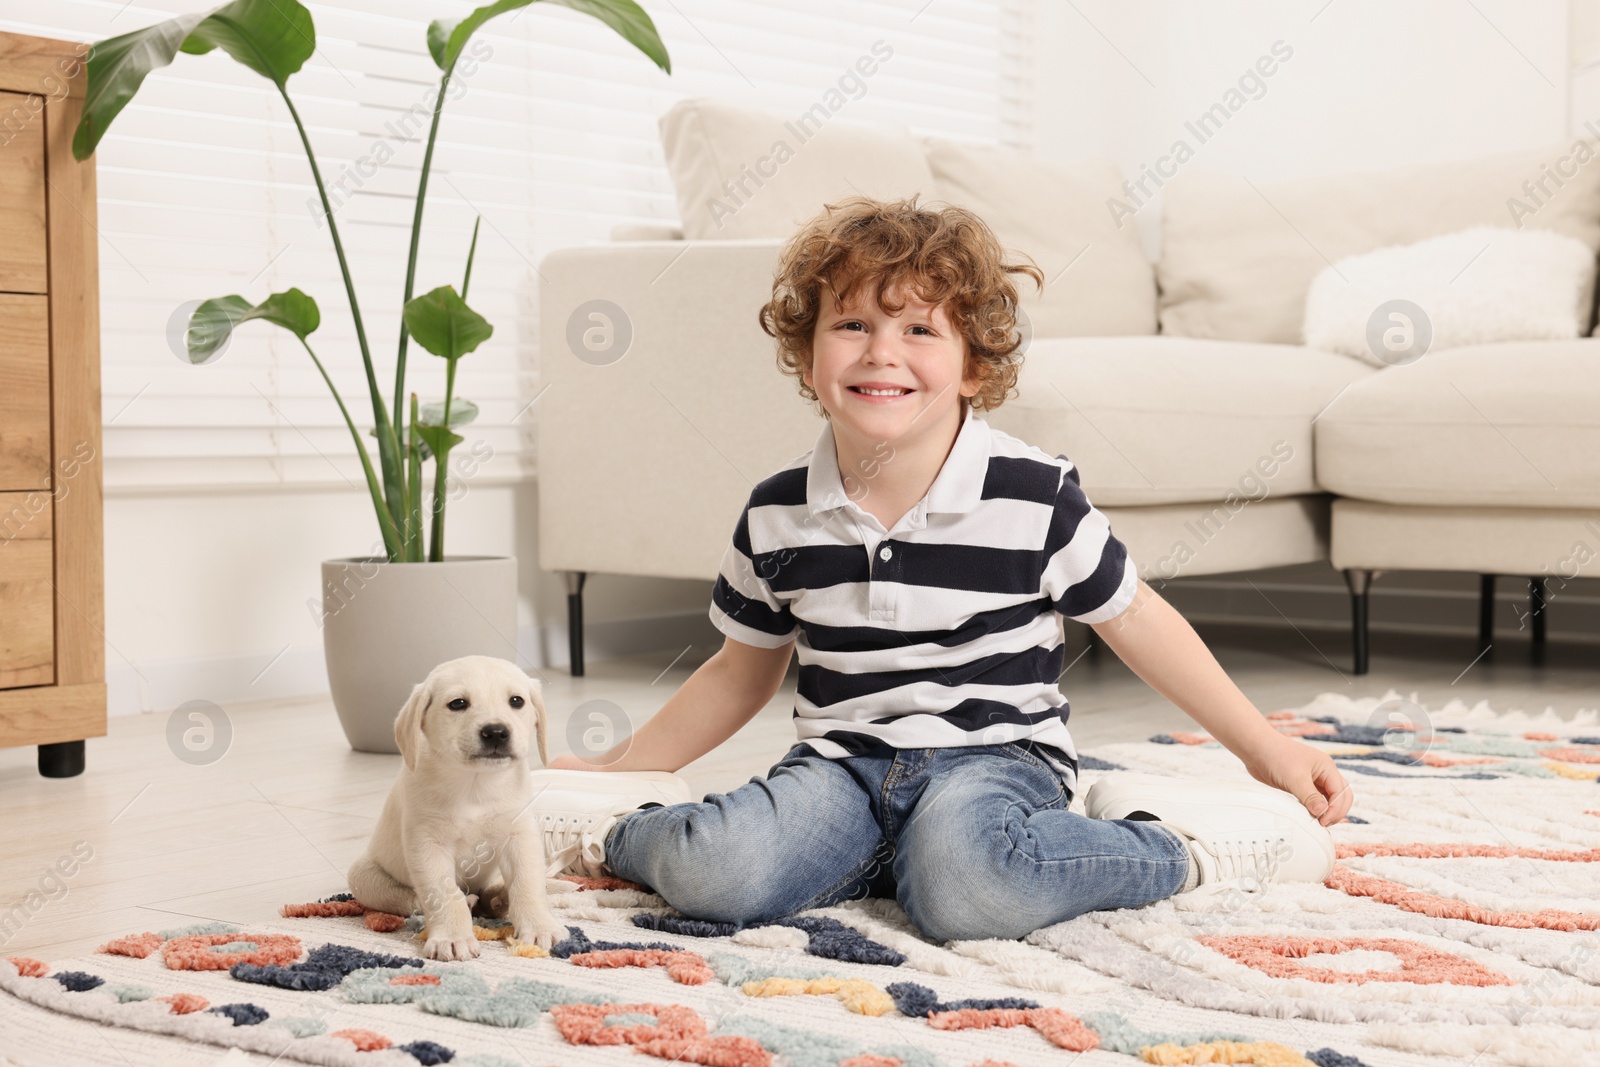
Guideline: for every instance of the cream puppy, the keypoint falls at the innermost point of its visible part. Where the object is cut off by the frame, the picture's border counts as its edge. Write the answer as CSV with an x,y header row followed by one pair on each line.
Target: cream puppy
x,y
459,818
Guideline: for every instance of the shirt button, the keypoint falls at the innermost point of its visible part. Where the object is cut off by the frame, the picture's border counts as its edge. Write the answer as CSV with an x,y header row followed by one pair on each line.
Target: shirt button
x,y
885,553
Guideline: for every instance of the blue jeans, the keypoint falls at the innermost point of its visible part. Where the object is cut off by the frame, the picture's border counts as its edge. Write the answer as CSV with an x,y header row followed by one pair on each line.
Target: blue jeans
x,y
972,842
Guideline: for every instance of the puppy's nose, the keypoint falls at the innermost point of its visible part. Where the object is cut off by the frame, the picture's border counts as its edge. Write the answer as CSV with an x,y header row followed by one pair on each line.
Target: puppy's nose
x,y
495,734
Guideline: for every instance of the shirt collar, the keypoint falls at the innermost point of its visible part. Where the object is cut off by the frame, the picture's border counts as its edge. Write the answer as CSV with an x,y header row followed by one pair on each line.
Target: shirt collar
x,y
957,487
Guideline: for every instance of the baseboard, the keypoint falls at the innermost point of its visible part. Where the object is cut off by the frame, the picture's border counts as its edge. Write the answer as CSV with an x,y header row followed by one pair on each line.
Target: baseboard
x,y
290,673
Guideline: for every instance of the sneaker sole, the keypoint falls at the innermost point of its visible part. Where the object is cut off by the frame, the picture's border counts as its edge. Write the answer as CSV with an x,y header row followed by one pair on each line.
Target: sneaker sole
x,y
662,787
1121,792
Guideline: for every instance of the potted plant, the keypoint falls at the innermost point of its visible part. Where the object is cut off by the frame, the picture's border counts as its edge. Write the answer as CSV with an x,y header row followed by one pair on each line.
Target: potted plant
x,y
386,621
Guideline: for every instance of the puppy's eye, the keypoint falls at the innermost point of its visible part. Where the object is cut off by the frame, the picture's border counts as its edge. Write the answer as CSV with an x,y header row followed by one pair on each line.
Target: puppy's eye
x,y
517,702
459,704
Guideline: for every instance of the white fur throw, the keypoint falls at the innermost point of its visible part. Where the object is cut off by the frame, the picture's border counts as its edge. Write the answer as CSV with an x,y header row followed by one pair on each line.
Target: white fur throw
x,y
1475,286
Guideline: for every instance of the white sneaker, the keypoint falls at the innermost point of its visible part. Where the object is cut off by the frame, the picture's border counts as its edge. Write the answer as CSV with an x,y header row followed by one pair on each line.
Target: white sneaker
x,y
1244,833
576,809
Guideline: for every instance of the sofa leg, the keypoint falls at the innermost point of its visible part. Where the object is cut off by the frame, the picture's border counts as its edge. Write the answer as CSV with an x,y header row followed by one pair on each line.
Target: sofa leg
x,y
575,580
1536,606
1486,614
1359,581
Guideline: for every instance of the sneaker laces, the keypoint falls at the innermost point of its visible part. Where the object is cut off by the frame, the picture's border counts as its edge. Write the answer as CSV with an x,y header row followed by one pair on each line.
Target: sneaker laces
x,y
574,844
1246,864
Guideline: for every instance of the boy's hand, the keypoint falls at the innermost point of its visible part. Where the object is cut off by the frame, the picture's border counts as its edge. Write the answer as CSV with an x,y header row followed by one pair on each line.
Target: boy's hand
x,y
1305,773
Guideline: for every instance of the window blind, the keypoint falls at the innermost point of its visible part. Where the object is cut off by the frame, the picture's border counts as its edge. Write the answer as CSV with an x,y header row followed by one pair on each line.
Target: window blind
x,y
551,137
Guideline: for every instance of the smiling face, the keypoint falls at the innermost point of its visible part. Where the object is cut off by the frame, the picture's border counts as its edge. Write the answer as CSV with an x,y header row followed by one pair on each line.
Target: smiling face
x,y
889,377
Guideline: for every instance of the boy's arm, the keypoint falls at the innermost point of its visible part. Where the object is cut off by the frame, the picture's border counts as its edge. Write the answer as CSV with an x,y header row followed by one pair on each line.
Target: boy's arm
x,y
1162,648
722,695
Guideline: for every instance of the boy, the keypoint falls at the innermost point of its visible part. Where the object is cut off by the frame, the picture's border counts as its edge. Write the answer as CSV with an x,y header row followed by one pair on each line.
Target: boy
x,y
918,561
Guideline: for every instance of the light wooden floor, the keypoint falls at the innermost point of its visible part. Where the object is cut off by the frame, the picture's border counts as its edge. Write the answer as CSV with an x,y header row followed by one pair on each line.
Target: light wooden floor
x,y
283,813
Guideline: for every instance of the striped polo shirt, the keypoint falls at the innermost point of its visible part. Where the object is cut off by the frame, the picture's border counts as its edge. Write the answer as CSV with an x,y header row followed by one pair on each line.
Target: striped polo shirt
x,y
944,631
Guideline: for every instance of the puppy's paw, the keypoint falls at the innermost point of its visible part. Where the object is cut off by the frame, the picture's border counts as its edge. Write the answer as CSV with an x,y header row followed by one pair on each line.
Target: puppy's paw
x,y
446,947
542,930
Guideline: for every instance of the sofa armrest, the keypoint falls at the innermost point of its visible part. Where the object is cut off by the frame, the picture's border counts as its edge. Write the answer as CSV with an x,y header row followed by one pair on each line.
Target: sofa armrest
x,y
646,231
664,403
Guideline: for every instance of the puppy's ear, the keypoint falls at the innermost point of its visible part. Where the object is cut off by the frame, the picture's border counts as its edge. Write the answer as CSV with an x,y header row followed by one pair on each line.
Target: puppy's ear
x,y
537,708
408,724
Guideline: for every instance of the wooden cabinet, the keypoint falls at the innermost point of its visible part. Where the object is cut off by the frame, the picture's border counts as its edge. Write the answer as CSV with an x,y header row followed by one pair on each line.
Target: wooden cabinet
x,y
52,604
27,636
24,389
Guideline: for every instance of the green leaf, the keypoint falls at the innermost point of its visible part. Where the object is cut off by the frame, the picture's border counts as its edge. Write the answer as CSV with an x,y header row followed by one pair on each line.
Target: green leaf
x,y
461,412
274,38
439,40
443,324
432,415
117,67
214,321
447,37
439,441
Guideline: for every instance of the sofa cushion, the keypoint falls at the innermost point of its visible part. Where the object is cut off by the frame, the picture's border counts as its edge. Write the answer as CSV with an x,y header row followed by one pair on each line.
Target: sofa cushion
x,y
1505,425
1472,287
1237,259
745,173
1171,420
1098,281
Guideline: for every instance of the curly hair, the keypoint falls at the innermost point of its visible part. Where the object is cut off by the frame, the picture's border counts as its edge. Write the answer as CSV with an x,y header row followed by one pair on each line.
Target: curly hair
x,y
945,256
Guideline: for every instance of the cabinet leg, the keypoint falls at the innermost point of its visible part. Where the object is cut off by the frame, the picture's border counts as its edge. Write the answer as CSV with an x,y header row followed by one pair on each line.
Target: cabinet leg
x,y
575,580
64,759
1359,582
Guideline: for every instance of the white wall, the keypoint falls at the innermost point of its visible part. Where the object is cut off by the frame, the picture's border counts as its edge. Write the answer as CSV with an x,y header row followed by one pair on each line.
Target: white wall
x,y
204,589
1370,84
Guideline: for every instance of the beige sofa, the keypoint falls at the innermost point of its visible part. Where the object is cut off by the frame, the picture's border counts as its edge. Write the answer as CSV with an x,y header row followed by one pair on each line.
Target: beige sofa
x,y
1213,439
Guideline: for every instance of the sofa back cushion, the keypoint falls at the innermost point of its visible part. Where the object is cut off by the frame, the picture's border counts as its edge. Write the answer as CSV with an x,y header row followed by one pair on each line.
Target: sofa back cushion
x,y
741,173
1237,258
1098,281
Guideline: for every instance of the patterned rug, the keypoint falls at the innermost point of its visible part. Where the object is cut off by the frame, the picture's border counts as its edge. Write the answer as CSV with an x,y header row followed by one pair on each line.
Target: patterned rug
x,y
1460,925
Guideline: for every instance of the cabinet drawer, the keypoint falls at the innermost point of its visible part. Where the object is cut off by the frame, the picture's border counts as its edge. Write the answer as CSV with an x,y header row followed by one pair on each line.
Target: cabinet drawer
x,y
22,233
24,392
27,604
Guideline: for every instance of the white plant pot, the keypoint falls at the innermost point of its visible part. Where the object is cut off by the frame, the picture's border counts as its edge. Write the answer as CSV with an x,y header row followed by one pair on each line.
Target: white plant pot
x,y
386,625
